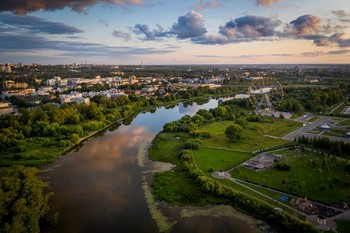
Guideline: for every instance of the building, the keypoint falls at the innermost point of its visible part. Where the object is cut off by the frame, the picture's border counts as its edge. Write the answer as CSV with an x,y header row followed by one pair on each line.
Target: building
x,y
5,108
133,80
8,68
57,81
11,84
325,127
74,97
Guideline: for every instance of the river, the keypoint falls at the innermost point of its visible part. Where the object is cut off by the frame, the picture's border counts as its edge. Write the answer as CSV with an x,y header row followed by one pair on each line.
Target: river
x,y
105,185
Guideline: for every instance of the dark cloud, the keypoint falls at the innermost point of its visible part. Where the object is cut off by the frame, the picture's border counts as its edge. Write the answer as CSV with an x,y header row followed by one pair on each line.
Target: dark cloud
x,y
123,35
35,24
342,15
207,4
282,55
266,3
25,6
23,43
304,25
335,39
189,26
313,54
339,52
250,27
309,27
144,30
243,29
339,39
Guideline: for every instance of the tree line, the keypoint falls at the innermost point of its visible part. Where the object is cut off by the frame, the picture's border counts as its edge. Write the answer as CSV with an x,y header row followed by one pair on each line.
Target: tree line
x,y
338,148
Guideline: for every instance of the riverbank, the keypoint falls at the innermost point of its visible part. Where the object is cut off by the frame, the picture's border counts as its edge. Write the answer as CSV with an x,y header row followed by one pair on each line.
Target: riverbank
x,y
44,148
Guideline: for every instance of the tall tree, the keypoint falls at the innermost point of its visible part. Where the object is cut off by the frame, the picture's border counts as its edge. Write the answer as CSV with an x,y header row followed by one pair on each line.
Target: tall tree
x,y
22,201
233,132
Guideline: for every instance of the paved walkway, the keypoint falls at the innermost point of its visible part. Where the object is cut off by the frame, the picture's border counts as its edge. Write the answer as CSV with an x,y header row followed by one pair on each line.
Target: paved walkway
x,y
226,175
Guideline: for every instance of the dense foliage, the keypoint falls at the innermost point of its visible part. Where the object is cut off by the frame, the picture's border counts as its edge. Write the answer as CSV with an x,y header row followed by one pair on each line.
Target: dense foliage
x,y
310,99
233,132
338,148
22,201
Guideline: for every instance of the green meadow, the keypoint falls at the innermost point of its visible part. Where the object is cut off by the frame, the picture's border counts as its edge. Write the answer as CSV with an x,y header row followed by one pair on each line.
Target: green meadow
x,y
257,135
312,175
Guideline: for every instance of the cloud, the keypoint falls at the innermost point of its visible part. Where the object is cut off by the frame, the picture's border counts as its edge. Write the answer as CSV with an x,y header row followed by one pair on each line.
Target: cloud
x,y
306,24
34,24
26,6
123,35
309,27
313,54
155,34
207,4
23,43
342,15
339,52
338,38
266,3
243,29
335,39
189,26
250,27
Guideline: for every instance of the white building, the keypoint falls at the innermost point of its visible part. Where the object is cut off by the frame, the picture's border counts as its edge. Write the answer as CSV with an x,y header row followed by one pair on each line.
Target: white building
x,y
74,97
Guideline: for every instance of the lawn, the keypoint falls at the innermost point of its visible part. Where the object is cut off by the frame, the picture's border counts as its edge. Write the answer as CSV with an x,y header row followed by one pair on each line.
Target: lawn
x,y
177,188
165,147
344,123
311,176
209,160
258,135
315,118
343,226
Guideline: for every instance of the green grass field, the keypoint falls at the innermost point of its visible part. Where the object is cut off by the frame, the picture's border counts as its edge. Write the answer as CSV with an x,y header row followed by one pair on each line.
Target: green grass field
x,y
258,135
209,160
165,147
343,226
177,188
344,123
315,118
309,176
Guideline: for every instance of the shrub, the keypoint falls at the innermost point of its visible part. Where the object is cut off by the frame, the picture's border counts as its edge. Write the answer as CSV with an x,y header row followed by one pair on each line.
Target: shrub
x,y
283,166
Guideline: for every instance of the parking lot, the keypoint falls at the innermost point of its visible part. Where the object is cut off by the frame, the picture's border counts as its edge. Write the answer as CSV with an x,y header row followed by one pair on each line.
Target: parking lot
x,y
310,126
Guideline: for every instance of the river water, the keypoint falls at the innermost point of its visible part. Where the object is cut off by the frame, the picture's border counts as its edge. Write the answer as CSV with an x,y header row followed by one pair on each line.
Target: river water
x,y
105,186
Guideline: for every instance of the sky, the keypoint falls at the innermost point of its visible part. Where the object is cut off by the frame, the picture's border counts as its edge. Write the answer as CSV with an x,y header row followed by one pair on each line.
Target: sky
x,y
157,32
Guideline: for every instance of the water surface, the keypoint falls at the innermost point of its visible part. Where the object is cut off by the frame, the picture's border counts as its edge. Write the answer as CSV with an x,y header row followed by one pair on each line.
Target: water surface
x,y
100,187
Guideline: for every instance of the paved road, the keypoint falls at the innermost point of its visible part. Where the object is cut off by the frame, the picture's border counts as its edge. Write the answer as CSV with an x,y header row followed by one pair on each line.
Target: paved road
x,y
308,127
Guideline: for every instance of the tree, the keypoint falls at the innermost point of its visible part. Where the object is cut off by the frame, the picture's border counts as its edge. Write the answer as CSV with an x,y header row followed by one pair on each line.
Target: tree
x,y
242,122
22,201
233,132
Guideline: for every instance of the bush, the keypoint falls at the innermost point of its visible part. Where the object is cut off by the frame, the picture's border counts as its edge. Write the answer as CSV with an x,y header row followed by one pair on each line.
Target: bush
x,y
283,166
193,144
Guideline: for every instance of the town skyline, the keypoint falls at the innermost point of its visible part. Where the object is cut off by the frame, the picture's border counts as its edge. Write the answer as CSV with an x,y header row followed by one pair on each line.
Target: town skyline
x,y
153,32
